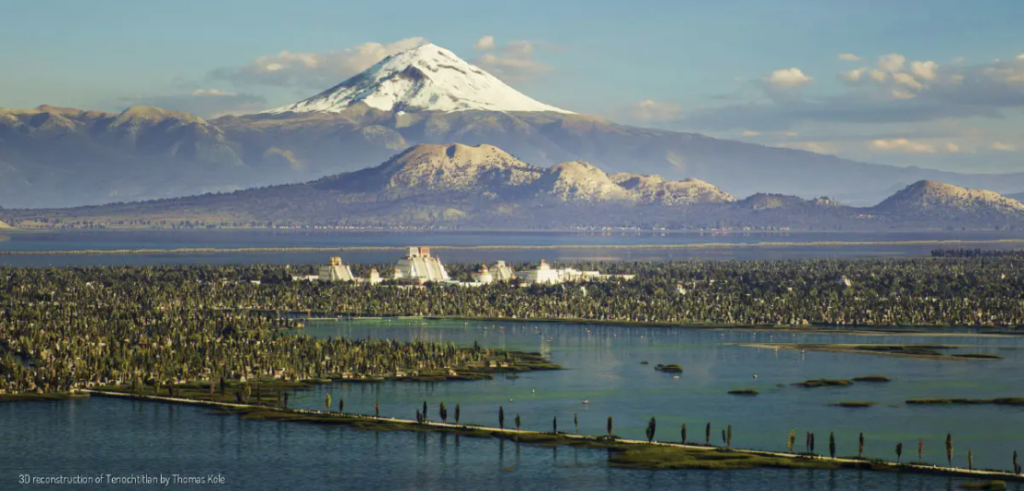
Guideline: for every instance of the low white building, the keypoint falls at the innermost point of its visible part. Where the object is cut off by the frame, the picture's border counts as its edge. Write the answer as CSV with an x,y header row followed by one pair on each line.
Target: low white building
x,y
336,271
418,264
498,272
544,274
375,278
482,275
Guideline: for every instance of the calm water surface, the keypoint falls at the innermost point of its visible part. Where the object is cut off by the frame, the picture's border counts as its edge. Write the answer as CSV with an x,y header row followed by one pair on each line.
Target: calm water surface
x,y
603,366
165,240
124,438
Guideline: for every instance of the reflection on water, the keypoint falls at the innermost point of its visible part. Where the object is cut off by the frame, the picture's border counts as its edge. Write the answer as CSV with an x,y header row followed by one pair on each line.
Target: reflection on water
x,y
603,366
124,438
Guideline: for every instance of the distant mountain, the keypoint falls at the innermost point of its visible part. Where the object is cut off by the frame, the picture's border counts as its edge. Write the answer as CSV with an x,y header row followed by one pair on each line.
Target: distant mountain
x,y
439,168
62,157
484,187
426,78
490,172
925,199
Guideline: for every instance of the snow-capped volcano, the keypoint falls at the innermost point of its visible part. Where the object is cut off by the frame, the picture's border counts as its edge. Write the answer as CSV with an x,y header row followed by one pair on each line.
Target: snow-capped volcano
x,y
426,78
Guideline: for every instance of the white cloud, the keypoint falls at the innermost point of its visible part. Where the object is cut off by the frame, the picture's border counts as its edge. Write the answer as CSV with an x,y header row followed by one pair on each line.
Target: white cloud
x,y
903,145
853,75
904,78
1003,147
751,133
792,133
484,43
878,75
315,70
787,78
514,61
899,93
848,57
650,110
891,62
924,70
1020,56
202,92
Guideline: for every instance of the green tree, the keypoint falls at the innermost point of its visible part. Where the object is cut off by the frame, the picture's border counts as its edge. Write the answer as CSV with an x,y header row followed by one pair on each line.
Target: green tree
x,y
611,427
683,434
341,405
458,413
376,408
554,425
518,421
424,410
860,445
728,438
707,434
576,422
899,451
920,449
443,411
651,425
791,440
832,444
501,417
327,401
970,460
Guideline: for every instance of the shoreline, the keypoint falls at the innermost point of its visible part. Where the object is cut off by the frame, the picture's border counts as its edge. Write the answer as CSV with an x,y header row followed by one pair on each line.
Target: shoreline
x,y
898,351
903,330
625,453
693,246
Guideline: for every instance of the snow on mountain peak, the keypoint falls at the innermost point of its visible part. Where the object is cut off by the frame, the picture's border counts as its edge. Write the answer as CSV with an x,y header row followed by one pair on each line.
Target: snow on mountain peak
x,y
425,78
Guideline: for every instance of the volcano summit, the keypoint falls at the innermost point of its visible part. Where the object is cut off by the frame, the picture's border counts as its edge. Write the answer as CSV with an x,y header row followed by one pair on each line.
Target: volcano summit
x,y
426,78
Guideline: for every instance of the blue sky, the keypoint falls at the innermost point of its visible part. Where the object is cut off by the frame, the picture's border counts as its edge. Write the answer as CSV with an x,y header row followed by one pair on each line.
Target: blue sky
x,y
933,83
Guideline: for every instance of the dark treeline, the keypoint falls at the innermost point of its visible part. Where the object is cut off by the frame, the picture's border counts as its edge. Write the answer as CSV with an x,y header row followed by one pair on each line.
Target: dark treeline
x,y
67,327
977,253
942,291
62,329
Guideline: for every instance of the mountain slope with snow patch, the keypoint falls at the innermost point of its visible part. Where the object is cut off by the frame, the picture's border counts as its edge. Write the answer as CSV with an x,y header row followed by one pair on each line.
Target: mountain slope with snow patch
x,y
426,78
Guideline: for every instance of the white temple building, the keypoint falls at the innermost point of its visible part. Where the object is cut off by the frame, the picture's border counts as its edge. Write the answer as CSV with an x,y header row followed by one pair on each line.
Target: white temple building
x,y
420,265
543,274
498,272
546,275
482,275
336,271
375,278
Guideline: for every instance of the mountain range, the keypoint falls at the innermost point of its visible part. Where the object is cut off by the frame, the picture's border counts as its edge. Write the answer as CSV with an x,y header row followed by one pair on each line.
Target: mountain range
x,y
484,187
57,157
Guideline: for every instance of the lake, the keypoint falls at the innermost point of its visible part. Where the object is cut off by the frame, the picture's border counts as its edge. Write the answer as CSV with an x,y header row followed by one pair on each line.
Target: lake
x,y
602,366
597,243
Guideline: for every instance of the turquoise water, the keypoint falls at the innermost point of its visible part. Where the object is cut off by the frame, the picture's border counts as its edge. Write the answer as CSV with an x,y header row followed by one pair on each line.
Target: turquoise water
x,y
123,437
603,366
